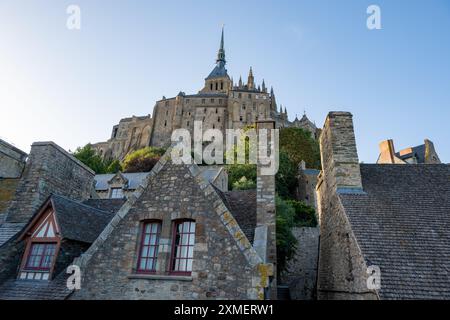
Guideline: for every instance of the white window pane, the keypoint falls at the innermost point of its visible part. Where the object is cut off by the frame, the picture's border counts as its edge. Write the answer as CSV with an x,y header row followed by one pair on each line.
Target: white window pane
x,y
144,252
192,240
151,252
154,227
153,239
142,264
147,239
190,252
192,230
189,265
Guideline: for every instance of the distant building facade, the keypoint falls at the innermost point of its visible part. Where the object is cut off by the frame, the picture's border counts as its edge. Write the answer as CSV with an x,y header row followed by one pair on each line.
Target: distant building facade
x,y
424,153
221,104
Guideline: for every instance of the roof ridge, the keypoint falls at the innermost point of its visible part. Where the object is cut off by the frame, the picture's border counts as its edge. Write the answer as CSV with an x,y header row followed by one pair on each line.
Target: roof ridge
x,y
81,204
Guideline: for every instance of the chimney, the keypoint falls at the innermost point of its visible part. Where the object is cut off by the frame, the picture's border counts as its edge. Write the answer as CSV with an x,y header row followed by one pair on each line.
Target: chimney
x,y
338,152
430,154
387,152
49,170
265,232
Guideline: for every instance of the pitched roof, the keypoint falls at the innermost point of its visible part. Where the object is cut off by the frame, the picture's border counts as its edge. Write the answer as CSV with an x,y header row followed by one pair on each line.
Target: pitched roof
x,y
9,230
402,224
15,289
242,205
108,205
79,221
134,180
417,151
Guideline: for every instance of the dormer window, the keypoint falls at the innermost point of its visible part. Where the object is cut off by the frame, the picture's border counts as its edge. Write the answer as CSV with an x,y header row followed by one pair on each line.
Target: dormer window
x,y
116,193
41,256
41,249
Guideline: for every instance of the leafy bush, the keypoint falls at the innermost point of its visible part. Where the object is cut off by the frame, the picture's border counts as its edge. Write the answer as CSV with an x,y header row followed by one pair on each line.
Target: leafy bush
x,y
88,156
142,160
244,184
305,215
286,242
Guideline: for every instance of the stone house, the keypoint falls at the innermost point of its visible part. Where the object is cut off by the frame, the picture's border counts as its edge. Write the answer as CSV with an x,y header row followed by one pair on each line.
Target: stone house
x,y
177,237
123,185
384,228
424,153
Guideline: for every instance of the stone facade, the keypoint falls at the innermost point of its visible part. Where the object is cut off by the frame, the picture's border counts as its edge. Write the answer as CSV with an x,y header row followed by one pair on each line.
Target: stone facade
x,y
221,104
129,135
12,161
422,154
225,265
301,271
49,169
307,181
342,269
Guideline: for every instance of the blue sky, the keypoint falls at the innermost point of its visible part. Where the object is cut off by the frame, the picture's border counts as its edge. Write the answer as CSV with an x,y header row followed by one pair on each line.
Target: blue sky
x,y
71,87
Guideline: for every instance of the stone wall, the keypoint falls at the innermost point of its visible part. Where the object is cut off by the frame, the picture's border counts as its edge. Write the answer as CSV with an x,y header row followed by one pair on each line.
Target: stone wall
x,y
7,191
49,169
342,269
220,269
12,160
301,271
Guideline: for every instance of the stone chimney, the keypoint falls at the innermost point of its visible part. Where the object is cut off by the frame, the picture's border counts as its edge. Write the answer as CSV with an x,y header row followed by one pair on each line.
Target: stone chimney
x,y
431,155
265,232
387,152
49,170
338,152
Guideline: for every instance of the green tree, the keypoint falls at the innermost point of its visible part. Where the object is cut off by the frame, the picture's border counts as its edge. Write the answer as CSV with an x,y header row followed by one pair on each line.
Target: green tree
x,y
142,160
88,156
114,167
286,242
299,145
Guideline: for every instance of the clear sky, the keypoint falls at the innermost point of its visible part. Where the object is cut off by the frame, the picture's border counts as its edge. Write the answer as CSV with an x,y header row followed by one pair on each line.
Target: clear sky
x,y
71,87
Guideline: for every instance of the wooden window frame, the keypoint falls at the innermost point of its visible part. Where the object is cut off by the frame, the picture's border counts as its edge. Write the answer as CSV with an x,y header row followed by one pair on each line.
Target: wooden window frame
x,y
173,258
30,250
141,245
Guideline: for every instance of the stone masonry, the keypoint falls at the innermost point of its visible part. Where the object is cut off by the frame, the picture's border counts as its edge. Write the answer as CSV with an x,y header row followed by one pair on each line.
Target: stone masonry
x,y
12,161
225,265
342,270
49,169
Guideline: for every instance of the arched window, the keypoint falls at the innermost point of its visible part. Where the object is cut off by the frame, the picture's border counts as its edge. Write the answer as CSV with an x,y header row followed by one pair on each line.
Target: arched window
x,y
149,245
183,247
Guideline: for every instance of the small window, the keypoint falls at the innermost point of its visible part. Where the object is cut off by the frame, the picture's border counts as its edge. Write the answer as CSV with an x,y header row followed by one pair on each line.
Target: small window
x,y
41,256
240,118
203,101
249,96
116,193
218,119
212,100
149,246
217,86
187,101
220,101
214,126
243,106
165,123
183,247
211,86
187,124
221,86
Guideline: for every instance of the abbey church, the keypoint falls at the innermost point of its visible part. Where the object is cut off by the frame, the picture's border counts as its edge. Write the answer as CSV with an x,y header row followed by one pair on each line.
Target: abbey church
x,y
221,104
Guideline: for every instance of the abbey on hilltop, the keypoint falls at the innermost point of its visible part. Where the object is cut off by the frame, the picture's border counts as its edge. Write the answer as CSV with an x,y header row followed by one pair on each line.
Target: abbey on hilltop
x,y
221,104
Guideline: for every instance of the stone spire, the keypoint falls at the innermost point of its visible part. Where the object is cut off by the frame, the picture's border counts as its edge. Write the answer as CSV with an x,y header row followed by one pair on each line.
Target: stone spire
x,y
240,82
251,79
221,54
264,89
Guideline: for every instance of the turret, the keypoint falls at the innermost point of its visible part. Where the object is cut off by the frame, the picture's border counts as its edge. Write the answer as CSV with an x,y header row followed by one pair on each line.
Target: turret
x,y
251,80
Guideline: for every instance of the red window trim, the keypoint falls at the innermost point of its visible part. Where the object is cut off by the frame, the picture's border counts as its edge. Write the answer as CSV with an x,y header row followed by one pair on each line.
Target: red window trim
x,y
172,253
29,251
141,244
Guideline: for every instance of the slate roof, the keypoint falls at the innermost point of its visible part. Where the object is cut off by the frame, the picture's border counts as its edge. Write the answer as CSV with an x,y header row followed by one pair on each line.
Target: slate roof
x,y
219,71
402,224
15,289
418,152
134,180
242,205
79,221
9,230
108,205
